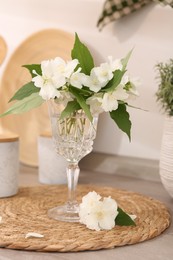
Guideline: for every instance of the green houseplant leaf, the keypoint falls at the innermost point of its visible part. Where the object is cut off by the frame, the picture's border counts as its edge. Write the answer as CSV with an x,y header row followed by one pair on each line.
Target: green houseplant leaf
x,y
24,105
164,93
121,118
25,91
123,219
81,52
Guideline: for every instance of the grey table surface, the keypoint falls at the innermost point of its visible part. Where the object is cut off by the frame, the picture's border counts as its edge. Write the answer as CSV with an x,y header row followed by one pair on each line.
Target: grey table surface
x,y
160,248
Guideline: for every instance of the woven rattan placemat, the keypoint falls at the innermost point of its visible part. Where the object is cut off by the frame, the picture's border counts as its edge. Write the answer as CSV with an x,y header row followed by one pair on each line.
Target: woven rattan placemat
x,y
27,212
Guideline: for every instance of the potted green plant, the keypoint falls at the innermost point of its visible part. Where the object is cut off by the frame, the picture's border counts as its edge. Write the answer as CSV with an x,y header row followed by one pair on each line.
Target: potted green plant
x,y
165,98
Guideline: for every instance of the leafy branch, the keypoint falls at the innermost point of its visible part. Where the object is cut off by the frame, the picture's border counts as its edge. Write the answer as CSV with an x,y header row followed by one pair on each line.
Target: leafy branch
x,y
165,91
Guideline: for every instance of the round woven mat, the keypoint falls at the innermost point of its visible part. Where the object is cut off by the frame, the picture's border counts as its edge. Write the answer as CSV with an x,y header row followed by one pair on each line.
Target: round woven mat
x,y
27,212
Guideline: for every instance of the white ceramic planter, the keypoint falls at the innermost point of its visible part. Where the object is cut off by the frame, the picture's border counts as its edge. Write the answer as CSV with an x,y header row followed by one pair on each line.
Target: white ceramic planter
x,y
166,156
9,165
52,167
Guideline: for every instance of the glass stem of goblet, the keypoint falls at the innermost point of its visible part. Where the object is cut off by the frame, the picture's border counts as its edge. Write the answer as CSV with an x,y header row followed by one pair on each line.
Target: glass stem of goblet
x,y
72,180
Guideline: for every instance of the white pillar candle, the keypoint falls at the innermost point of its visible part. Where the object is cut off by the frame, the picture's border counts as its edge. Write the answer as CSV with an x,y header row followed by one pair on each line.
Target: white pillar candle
x,y
52,167
9,165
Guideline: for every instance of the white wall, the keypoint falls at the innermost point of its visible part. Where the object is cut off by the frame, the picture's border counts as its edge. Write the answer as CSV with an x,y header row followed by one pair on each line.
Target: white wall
x,y
149,30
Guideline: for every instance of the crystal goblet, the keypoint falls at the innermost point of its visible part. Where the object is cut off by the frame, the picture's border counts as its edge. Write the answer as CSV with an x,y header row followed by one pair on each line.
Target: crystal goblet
x,y
73,139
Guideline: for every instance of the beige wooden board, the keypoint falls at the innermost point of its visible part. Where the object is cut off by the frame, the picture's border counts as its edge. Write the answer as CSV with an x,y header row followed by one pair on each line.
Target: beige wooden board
x,y
3,49
45,44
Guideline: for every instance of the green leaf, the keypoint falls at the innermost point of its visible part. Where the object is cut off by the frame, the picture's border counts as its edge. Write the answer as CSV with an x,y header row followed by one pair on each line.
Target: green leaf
x,y
33,67
24,105
85,92
114,82
25,91
137,108
123,219
81,52
121,118
70,108
126,59
80,99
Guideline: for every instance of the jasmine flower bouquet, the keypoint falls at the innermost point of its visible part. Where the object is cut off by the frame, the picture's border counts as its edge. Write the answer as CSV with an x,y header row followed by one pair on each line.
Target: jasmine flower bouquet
x,y
79,84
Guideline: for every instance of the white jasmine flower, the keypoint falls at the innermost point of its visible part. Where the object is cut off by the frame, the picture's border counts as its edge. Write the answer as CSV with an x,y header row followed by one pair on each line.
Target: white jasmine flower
x,y
77,79
59,66
120,93
97,214
135,83
110,99
33,234
107,213
69,69
103,73
95,103
48,91
47,68
48,82
115,64
63,69
90,199
54,74
125,79
38,80
64,97
133,217
131,84
110,102
93,82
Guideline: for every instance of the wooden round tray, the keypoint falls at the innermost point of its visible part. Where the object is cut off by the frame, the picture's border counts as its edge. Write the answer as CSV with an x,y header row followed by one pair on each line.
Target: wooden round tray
x,y
27,212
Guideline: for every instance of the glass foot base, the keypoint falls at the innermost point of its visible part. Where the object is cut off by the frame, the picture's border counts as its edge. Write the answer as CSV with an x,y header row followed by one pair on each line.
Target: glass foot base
x,y
64,213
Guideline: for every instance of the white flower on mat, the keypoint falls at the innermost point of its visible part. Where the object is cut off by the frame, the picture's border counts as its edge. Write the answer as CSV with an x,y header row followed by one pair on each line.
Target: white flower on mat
x,y
96,214
133,217
33,234
90,199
